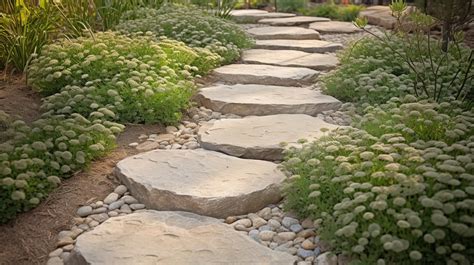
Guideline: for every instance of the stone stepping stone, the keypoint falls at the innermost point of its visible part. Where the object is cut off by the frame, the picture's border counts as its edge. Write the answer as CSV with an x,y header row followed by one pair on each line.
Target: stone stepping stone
x,y
254,15
335,27
311,46
316,61
259,137
291,33
246,100
265,75
178,238
200,181
292,21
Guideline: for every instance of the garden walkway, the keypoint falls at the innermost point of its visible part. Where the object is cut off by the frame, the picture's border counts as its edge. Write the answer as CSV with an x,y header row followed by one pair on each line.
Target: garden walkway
x,y
235,173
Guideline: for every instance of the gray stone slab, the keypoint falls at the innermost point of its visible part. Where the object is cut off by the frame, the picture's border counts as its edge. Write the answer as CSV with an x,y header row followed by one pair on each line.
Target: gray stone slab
x,y
312,46
291,58
200,181
265,75
246,100
162,238
259,137
292,21
334,27
293,33
254,15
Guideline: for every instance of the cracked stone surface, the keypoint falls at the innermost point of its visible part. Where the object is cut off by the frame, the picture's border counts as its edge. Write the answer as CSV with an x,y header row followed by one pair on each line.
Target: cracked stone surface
x,y
253,15
311,46
290,33
152,237
259,137
292,21
265,75
200,181
291,58
334,27
246,100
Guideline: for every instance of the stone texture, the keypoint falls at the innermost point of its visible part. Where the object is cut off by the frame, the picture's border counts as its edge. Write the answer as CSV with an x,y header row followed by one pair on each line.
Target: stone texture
x,y
200,181
253,15
334,27
259,100
312,46
290,58
152,237
292,21
293,33
265,75
380,16
327,258
259,137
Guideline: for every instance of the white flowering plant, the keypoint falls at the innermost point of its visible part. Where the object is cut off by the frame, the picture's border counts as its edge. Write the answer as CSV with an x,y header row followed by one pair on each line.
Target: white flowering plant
x,y
35,157
393,193
191,26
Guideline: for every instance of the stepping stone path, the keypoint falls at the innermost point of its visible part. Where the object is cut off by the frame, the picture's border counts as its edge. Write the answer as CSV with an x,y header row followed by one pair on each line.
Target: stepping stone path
x,y
256,104
265,75
292,21
312,46
260,137
178,238
200,181
247,100
334,27
289,33
290,58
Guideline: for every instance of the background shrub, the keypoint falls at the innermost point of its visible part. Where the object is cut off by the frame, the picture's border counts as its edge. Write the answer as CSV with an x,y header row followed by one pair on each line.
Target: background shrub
x,y
290,5
333,11
190,26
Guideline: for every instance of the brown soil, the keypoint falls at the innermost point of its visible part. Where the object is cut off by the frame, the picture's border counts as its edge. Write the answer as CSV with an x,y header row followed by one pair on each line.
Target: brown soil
x,y
32,235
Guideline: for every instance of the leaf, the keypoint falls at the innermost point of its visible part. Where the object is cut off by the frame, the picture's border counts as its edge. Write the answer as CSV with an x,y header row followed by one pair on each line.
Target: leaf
x,y
43,3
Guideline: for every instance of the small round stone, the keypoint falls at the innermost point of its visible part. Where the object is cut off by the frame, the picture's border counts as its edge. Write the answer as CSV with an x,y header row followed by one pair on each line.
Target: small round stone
x,y
289,221
265,213
68,248
113,213
56,252
308,245
55,261
121,189
273,223
116,205
111,198
296,228
129,199
245,222
84,211
230,219
266,235
125,209
137,206
304,253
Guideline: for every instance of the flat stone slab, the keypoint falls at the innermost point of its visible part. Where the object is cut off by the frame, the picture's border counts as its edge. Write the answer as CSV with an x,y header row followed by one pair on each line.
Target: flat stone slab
x,y
335,27
254,15
291,58
200,181
246,100
265,75
312,46
178,238
260,137
292,21
291,33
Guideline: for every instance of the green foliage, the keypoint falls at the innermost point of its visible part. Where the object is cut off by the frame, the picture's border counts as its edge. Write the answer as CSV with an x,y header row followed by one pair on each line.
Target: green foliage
x,y
399,192
333,11
290,5
35,158
373,72
24,29
138,79
219,8
191,26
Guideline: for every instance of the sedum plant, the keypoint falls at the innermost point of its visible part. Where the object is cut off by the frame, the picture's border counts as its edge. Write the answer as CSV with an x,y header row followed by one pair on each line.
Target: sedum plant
x,y
191,26
399,192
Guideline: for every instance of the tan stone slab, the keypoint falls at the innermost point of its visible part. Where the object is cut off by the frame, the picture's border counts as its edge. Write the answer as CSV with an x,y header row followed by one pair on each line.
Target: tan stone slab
x,y
259,137
312,46
292,21
316,61
200,181
293,33
163,238
246,100
254,15
265,75
334,27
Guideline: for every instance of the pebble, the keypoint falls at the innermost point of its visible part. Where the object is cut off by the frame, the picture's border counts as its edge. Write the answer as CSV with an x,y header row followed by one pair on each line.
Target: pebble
x,y
288,221
120,190
113,213
241,227
230,219
274,223
56,252
134,144
317,251
55,261
245,222
266,235
171,129
116,205
308,245
129,199
64,234
307,223
286,236
111,198
64,241
101,217
137,206
306,233
298,240
93,224
125,209
84,227
65,256
254,234
84,211
265,213
304,253
296,228
75,232
99,210
265,228
68,247
327,258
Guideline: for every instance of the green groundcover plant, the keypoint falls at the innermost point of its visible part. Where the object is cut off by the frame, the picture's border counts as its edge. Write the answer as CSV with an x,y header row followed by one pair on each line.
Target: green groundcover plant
x,y
398,189
138,79
333,11
191,26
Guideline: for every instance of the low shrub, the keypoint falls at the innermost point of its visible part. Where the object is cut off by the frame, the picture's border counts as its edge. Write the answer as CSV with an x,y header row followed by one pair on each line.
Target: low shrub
x,y
191,26
333,11
394,194
35,158
290,5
